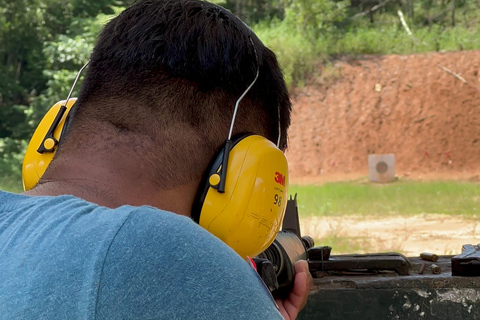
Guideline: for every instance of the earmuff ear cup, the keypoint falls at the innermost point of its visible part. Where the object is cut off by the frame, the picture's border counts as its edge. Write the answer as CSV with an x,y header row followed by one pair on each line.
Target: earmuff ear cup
x,y
34,162
248,216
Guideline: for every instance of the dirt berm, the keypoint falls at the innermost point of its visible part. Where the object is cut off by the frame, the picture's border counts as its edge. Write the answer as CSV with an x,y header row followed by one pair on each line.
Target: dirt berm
x,y
424,108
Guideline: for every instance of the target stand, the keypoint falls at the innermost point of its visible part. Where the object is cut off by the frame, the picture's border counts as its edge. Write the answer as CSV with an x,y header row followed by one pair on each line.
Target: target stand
x,y
381,167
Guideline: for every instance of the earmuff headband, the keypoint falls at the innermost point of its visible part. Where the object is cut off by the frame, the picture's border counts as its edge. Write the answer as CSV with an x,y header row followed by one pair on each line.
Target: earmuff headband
x,y
228,143
49,142
223,173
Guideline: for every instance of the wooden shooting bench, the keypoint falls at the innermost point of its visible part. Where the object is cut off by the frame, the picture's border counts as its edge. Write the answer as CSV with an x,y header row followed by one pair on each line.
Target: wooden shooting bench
x,y
384,286
406,290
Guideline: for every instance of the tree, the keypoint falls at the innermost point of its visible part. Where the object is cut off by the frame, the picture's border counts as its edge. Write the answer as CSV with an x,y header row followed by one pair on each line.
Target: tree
x,y
316,16
43,43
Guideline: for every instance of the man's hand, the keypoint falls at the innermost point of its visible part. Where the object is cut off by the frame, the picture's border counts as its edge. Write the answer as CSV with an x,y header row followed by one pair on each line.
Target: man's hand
x,y
290,307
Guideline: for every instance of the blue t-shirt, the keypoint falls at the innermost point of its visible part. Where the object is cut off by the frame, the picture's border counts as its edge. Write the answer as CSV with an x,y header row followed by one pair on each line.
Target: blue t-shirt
x,y
65,258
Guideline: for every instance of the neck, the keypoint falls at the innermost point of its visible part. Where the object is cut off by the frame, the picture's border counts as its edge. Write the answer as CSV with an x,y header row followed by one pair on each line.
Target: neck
x,y
113,181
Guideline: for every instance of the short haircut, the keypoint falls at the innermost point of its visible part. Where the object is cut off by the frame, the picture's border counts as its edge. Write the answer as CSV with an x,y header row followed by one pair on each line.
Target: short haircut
x,y
164,64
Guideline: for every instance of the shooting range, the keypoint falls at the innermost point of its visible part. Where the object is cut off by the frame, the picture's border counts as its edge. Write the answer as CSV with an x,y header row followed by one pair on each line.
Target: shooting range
x,y
383,147
419,129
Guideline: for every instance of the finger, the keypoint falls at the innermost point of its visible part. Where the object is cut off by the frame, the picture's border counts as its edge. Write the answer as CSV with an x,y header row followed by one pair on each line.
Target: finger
x,y
297,298
299,294
301,266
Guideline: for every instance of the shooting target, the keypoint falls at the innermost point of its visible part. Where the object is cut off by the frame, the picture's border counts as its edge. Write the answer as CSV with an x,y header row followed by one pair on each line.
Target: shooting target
x,y
382,167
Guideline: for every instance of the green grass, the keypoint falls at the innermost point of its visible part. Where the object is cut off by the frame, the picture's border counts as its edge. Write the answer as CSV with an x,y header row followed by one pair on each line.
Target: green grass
x,y
398,198
394,40
298,52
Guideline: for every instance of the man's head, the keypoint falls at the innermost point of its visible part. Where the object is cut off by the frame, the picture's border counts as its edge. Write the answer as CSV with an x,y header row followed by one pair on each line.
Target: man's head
x,y
162,84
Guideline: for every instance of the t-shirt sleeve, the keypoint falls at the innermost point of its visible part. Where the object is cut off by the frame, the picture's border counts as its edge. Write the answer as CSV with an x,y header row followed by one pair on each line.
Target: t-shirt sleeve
x,y
164,266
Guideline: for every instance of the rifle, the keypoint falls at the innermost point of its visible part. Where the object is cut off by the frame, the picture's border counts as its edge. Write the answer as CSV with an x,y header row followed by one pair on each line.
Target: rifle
x,y
276,264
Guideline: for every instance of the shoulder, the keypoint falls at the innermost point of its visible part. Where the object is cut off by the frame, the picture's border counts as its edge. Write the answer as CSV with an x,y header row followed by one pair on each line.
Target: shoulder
x,y
164,266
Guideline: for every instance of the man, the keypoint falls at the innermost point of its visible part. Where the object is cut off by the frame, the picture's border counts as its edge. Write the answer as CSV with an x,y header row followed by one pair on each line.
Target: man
x,y
156,103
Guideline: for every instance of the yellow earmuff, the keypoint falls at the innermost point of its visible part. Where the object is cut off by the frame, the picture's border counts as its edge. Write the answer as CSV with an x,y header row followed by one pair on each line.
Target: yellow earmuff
x,y
45,139
243,195
249,214
43,145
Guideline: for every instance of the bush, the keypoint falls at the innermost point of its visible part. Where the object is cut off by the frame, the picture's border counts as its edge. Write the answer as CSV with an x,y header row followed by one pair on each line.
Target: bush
x,y
295,52
299,50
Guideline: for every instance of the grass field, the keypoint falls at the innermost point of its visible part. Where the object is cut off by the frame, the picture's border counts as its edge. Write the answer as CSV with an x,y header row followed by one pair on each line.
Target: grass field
x,y
402,198
399,198
404,216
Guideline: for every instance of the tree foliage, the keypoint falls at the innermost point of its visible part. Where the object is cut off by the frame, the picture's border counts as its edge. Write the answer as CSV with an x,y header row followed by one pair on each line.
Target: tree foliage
x,y
42,44
317,16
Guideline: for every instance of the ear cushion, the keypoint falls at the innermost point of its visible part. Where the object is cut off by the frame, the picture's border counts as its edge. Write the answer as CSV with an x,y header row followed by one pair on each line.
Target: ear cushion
x,y
249,214
34,162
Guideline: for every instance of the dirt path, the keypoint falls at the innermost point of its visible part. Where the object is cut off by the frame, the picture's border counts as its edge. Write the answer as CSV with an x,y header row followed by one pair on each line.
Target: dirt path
x,y
440,234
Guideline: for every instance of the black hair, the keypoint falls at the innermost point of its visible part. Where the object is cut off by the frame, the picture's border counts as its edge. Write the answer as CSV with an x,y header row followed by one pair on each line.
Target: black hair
x,y
167,62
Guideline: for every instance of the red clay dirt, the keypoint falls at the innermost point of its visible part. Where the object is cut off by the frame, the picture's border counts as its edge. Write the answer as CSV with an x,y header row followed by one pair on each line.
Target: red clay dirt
x,y
424,108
